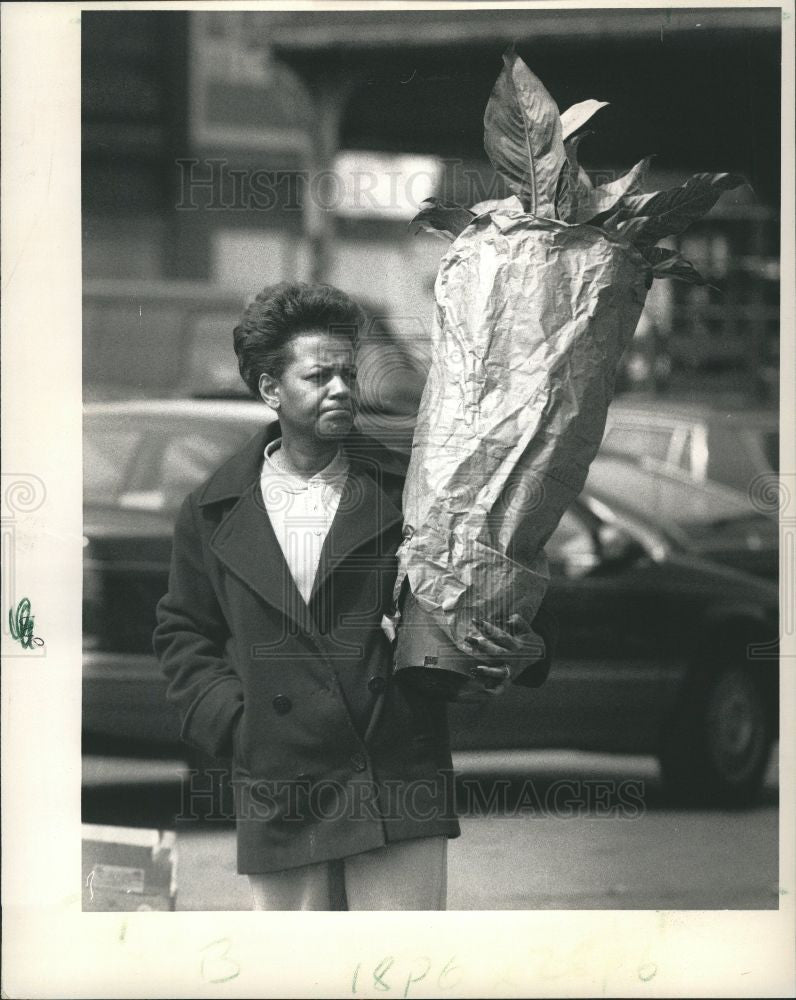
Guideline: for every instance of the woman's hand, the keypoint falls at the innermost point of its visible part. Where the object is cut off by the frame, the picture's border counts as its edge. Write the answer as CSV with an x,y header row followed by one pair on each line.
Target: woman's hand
x,y
504,653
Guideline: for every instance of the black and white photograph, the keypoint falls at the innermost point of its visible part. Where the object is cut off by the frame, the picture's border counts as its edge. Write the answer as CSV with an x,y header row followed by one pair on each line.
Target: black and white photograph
x,y
434,411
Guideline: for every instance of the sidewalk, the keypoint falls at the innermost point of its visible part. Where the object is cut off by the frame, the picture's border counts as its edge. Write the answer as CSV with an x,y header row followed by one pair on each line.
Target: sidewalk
x,y
515,864
662,859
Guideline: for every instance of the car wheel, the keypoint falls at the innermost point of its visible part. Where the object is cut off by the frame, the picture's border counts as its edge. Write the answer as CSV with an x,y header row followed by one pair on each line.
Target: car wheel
x,y
717,750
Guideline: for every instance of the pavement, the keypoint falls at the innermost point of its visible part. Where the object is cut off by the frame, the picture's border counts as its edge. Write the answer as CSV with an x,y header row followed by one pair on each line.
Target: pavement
x,y
585,849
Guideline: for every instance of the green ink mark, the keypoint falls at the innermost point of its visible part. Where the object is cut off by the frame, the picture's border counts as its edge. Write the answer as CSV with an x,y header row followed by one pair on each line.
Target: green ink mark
x,y
356,976
227,968
380,972
123,931
416,979
20,625
647,971
448,970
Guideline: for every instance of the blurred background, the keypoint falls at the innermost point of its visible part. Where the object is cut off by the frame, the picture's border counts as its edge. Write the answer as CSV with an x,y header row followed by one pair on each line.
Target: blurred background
x,y
224,151
210,138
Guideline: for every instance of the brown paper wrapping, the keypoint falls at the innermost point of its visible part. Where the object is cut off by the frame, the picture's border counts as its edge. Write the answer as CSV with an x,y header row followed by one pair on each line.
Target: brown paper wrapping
x,y
532,316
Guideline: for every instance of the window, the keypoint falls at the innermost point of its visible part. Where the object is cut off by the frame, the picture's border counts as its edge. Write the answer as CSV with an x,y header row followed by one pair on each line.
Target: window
x,y
107,462
189,458
685,460
638,441
155,463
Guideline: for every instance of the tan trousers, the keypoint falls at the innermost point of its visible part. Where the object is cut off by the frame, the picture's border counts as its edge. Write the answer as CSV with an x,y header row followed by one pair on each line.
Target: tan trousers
x,y
408,875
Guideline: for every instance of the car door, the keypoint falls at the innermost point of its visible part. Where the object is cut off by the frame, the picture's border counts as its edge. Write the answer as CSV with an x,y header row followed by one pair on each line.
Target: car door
x,y
604,690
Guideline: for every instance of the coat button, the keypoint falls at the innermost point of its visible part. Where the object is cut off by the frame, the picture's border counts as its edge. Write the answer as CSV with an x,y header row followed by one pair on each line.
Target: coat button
x,y
282,704
376,685
358,762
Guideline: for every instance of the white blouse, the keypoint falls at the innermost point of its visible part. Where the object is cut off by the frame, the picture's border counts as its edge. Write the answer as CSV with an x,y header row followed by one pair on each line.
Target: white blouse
x,y
301,512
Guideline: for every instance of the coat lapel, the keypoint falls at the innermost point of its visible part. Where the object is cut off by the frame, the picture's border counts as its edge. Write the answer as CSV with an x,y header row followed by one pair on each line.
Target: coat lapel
x,y
245,540
364,512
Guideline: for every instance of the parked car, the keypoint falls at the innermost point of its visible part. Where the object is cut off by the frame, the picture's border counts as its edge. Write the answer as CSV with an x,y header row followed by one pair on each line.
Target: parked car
x,y
683,466
661,651
732,447
704,518
140,460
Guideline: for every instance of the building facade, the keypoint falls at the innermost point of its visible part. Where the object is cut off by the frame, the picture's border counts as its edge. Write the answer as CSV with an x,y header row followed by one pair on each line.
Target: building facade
x,y
235,149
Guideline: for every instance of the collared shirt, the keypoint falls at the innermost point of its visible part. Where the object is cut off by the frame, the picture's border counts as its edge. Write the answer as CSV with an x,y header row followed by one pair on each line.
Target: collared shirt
x,y
301,512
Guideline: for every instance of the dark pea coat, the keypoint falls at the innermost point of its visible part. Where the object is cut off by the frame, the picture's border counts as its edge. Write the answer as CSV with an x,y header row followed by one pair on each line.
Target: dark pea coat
x,y
287,689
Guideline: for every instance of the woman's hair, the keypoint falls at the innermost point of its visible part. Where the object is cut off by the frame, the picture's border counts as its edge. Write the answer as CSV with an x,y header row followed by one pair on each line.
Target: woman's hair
x,y
282,312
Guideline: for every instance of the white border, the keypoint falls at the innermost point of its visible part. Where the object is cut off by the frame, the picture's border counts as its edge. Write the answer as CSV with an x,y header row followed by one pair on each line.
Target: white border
x,y
50,948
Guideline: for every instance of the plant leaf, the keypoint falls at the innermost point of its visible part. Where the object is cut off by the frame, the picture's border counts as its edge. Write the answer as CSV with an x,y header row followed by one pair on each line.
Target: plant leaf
x,y
666,263
645,219
564,193
510,204
441,218
603,200
573,182
577,116
570,194
523,137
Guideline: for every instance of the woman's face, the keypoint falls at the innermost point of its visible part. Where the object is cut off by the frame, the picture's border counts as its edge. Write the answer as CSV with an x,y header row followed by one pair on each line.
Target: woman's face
x,y
316,394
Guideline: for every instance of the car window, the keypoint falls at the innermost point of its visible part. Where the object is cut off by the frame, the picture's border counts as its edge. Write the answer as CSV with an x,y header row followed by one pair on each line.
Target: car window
x,y
659,496
684,458
188,458
108,455
731,456
570,546
638,441
154,464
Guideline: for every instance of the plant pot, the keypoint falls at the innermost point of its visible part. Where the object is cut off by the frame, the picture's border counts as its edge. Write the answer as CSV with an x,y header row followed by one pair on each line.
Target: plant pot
x,y
425,658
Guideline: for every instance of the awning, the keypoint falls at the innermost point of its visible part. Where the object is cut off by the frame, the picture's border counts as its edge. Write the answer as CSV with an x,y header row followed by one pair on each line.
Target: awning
x,y
309,33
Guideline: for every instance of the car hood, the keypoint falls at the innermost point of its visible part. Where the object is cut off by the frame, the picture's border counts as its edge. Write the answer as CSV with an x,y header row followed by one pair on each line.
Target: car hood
x,y
115,522
123,540
727,581
747,543
753,532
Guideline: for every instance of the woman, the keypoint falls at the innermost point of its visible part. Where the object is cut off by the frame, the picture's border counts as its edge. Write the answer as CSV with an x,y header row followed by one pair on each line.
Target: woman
x,y
271,635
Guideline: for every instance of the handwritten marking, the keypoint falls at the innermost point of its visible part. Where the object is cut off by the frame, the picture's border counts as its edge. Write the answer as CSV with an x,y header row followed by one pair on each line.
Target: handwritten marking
x,y
381,971
20,625
449,968
416,979
647,971
415,974
218,956
90,884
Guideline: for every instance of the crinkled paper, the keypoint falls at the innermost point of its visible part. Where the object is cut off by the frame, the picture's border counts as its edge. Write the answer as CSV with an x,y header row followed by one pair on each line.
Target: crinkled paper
x,y
532,316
